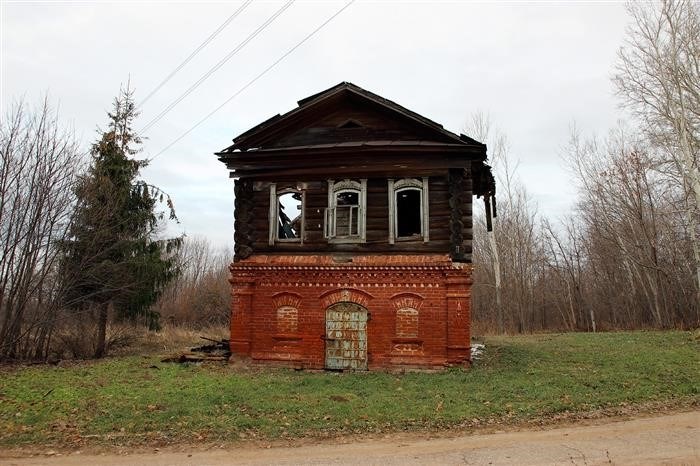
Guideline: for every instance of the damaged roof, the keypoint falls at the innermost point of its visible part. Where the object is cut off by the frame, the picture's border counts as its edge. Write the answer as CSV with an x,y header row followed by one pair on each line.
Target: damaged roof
x,y
345,129
250,139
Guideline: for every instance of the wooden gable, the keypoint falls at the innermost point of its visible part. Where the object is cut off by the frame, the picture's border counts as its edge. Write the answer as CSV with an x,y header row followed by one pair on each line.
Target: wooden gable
x,y
348,117
345,112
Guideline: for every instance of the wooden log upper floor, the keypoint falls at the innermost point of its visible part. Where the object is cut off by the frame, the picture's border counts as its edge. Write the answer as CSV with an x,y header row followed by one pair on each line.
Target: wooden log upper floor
x,y
442,203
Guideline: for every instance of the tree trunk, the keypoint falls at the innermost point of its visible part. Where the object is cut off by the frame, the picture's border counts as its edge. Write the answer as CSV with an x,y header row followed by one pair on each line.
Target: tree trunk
x,y
100,348
497,280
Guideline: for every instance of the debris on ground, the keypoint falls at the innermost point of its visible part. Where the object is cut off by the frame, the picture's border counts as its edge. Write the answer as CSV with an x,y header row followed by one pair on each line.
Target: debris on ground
x,y
477,350
216,346
216,350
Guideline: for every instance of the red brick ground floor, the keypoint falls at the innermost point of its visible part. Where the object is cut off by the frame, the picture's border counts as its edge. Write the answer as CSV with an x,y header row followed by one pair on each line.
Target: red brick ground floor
x,y
369,312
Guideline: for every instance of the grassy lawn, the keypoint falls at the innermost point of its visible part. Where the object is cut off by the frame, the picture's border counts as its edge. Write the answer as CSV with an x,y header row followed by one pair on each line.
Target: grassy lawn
x,y
138,400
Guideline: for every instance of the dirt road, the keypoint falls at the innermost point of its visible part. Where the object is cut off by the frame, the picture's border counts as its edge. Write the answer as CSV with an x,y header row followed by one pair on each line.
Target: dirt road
x,y
672,439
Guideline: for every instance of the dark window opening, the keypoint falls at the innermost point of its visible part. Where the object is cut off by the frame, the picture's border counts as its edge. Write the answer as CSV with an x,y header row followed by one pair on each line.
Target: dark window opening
x,y
289,207
408,213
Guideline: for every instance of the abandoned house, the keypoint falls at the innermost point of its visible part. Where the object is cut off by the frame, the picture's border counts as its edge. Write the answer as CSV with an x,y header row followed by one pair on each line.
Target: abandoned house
x,y
353,233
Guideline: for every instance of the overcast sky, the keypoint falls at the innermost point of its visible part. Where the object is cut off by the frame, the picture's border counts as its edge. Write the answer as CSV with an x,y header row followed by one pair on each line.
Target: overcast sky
x,y
533,67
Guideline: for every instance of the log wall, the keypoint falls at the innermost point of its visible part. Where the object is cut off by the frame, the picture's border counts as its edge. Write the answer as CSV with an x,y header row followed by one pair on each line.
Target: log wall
x,y
377,220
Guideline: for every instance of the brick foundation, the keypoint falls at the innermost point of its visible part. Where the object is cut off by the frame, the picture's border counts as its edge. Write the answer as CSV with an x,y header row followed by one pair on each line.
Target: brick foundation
x,y
418,308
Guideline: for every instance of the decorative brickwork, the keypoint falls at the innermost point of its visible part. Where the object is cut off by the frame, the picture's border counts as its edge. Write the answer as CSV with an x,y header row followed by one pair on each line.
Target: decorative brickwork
x,y
286,298
417,308
344,295
407,300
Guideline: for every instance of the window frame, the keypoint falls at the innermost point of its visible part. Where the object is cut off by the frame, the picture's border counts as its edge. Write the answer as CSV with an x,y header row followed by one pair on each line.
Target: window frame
x,y
274,214
330,216
394,188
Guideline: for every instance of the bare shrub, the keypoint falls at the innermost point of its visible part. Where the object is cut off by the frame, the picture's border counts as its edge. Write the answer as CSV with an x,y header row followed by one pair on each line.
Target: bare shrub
x,y
201,295
172,338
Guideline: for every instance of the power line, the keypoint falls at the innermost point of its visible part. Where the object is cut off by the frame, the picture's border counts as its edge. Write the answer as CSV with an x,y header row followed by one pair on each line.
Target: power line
x,y
285,55
213,69
197,50
216,67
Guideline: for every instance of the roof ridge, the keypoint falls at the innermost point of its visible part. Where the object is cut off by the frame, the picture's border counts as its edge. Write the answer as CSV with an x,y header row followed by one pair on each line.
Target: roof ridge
x,y
313,99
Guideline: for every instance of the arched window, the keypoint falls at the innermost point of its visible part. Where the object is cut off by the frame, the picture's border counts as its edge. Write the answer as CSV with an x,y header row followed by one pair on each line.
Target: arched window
x,y
286,214
408,209
345,215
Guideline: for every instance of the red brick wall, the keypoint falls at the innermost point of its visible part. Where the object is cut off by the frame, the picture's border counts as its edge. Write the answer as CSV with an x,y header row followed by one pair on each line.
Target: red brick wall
x,y
418,307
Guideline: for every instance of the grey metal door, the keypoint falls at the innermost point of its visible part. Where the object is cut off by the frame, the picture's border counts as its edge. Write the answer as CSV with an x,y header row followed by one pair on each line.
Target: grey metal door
x,y
346,337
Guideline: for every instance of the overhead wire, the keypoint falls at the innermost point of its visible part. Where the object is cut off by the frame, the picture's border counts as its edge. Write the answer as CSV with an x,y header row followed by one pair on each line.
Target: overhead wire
x,y
197,50
216,67
260,75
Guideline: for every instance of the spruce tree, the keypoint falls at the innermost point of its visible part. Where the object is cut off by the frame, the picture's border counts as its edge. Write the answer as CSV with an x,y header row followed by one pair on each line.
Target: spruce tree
x,y
113,259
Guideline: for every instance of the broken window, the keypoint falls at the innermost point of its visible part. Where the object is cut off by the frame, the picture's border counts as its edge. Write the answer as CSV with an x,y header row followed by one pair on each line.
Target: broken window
x,y
347,209
286,214
289,215
345,220
408,209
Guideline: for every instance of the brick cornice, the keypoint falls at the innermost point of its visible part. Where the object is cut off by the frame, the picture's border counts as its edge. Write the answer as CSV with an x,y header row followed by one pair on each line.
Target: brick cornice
x,y
326,263
387,268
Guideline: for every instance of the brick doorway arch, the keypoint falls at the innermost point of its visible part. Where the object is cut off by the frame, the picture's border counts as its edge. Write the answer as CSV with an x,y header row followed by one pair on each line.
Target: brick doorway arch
x,y
346,337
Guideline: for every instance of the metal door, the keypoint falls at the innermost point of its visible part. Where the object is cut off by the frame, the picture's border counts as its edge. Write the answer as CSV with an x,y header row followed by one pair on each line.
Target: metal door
x,y
346,337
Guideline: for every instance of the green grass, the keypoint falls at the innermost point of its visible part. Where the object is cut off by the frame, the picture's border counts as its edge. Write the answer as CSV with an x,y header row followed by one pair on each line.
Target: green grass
x,y
128,401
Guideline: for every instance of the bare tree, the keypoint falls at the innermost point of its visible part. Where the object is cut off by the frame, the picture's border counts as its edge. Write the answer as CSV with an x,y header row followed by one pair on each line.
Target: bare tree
x,y
658,76
479,127
507,266
636,252
40,162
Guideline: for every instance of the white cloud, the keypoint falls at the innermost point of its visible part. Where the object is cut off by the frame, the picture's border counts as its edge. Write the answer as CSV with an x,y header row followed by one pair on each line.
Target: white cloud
x,y
535,67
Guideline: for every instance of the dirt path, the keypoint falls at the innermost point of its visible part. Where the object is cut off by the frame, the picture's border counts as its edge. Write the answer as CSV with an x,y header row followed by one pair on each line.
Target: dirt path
x,y
672,439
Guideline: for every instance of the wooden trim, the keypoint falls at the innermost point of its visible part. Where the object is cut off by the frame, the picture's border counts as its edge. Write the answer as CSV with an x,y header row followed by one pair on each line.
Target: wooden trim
x,y
330,229
368,169
362,224
426,210
329,213
274,209
394,188
302,233
408,183
346,185
392,211
272,214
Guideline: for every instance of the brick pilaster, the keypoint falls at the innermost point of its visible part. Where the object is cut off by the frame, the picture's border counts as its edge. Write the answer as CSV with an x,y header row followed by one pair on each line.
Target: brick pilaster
x,y
458,315
242,289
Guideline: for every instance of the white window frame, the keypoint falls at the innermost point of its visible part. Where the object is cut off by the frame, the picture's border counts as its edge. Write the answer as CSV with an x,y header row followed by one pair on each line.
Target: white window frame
x,y
274,215
394,188
329,228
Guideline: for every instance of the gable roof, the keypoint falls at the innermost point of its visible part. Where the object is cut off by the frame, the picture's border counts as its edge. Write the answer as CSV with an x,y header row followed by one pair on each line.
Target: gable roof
x,y
245,140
